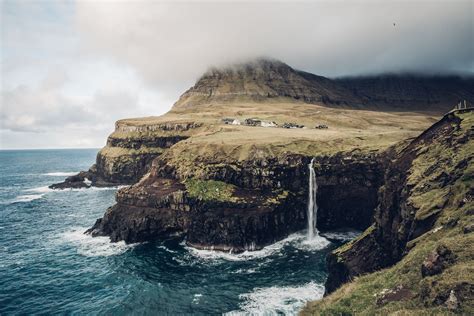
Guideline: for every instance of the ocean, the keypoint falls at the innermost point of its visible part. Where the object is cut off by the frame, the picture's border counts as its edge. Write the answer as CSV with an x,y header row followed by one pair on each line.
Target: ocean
x,y
48,266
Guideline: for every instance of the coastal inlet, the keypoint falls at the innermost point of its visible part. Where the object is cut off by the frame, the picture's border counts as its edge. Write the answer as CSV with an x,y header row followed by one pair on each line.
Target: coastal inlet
x,y
45,251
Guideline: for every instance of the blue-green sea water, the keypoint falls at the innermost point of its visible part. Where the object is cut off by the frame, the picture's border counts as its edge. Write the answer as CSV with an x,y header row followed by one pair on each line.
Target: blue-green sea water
x,y
48,266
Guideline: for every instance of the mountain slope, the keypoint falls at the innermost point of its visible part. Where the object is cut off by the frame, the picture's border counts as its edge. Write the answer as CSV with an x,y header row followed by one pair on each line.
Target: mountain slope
x,y
396,92
264,79
267,80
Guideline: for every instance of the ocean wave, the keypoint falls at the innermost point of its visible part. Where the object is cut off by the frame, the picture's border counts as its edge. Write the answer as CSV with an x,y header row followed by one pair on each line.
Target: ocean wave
x,y
27,198
92,188
43,189
89,246
276,300
297,240
60,174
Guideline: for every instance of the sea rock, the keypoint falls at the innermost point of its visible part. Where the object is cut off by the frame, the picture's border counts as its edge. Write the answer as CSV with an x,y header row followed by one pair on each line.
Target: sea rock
x,y
77,181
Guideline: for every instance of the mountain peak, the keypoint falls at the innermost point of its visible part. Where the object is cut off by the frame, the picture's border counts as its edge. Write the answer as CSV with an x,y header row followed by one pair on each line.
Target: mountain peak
x,y
258,80
263,65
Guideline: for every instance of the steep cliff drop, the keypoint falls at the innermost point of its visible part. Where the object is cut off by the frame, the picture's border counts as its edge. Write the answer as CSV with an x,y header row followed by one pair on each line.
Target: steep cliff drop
x,y
312,213
422,236
243,186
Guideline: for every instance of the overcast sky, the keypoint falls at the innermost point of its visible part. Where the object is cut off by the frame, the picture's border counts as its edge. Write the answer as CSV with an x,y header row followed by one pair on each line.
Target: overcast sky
x,y
70,69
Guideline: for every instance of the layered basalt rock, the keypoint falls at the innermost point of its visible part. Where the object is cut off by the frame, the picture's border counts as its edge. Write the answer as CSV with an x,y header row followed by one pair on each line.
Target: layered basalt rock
x,y
161,208
268,200
129,153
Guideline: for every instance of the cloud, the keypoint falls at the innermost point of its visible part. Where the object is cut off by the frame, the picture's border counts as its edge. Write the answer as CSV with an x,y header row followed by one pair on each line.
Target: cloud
x,y
46,107
169,43
70,69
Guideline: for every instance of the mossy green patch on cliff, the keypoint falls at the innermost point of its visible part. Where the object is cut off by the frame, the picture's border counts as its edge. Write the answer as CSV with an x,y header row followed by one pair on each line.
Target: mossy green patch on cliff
x,y
349,244
277,197
209,190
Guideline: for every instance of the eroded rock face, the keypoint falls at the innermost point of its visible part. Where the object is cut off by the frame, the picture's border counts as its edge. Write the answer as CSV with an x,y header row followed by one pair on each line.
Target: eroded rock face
x,y
401,216
269,201
163,208
129,152
348,185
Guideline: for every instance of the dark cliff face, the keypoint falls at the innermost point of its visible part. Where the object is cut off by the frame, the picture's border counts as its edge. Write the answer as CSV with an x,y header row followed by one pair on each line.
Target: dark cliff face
x,y
131,148
419,189
348,184
411,92
129,153
268,201
161,208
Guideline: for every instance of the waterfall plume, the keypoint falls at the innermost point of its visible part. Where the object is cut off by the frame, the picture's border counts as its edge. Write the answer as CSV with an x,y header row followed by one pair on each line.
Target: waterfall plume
x,y
312,204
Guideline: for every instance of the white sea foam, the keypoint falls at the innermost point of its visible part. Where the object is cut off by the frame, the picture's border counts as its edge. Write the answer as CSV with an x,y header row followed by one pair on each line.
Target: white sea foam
x,y
297,240
90,189
245,271
60,174
317,242
275,300
43,190
39,192
27,198
196,298
93,246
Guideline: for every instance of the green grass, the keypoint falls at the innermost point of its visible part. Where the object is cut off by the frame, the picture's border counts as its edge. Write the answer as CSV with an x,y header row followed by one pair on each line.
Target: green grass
x,y
427,196
209,190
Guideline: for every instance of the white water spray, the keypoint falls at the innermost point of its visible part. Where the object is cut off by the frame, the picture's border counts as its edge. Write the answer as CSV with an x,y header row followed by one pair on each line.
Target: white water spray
x,y
312,205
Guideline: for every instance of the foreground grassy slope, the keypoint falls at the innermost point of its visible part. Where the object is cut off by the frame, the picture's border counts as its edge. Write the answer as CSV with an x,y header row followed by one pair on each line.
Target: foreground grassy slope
x,y
442,184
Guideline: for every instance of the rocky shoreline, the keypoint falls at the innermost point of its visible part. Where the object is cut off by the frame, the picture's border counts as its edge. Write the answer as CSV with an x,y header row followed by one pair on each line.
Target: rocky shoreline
x,y
238,188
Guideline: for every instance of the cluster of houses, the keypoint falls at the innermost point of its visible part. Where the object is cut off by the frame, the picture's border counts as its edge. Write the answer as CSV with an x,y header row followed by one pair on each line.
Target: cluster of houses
x,y
249,122
262,123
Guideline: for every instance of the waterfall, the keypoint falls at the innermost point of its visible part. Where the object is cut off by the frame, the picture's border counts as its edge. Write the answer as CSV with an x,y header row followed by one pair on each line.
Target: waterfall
x,y
312,204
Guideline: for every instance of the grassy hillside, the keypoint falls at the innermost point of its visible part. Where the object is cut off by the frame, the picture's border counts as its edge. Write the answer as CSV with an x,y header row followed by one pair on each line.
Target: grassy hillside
x,y
441,184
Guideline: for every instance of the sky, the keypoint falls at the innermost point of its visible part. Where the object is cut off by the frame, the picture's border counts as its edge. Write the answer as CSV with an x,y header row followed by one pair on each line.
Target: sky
x,y
70,69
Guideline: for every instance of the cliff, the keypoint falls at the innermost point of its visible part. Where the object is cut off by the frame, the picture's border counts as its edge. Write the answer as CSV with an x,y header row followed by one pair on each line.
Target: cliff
x,y
379,165
422,232
240,187
271,90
